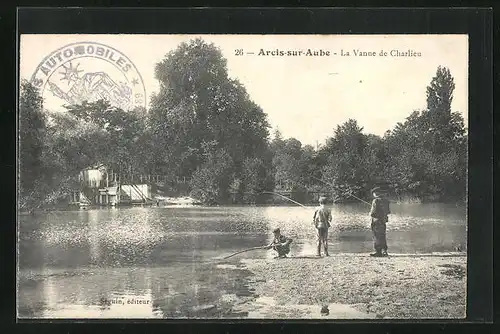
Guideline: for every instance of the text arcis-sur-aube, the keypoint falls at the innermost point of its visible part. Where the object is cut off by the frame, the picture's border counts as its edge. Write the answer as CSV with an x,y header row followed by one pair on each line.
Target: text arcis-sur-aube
x,y
342,53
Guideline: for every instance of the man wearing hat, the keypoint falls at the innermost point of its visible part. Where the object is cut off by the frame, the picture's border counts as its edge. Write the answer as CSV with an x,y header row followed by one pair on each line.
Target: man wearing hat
x,y
321,219
379,214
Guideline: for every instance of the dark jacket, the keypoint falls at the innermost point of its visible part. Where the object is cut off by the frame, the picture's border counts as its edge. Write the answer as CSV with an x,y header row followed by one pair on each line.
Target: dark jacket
x,y
380,209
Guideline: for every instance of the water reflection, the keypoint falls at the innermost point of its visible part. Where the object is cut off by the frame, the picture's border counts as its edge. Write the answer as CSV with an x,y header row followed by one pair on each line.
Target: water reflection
x,y
82,263
88,294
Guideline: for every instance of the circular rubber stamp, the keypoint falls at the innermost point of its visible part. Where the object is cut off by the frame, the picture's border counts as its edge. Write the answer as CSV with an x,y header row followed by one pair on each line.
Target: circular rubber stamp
x,y
89,71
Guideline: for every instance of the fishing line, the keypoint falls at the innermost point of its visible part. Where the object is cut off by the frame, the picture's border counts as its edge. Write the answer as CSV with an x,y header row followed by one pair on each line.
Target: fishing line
x,y
243,251
350,193
291,200
260,247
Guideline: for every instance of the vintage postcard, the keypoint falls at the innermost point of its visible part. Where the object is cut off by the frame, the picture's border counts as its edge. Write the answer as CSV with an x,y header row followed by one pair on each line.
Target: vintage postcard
x,y
242,176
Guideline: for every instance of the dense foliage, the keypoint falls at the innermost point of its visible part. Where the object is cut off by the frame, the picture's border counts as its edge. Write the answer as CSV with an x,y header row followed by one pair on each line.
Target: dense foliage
x,y
203,126
32,125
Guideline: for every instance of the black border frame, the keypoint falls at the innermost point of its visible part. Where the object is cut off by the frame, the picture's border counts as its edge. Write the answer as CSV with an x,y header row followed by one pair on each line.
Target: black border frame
x,y
476,22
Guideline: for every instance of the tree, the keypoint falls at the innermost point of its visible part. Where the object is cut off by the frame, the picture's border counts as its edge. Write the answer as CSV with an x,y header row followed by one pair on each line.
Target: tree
x,y
74,144
444,136
256,179
427,153
309,165
31,138
210,182
71,145
345,153
287,162
437,118
124,143
440,91
198,103
375,157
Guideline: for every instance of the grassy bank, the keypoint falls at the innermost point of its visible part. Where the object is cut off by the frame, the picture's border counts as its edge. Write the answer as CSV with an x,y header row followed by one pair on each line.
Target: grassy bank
x,y
402,287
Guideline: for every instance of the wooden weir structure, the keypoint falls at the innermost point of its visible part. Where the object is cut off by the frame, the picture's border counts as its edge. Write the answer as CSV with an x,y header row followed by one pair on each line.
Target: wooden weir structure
x,y
108,188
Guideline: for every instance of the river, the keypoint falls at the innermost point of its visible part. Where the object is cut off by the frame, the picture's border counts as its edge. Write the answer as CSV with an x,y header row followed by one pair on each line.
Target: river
x,y
164,262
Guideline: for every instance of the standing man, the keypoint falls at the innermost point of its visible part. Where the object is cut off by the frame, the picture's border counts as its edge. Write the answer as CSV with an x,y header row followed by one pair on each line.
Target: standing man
x,y
379,214
321,219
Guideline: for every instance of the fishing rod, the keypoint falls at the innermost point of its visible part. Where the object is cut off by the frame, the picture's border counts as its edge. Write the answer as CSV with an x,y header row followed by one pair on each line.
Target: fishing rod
x,y
243,251
264,247
350,193
289,199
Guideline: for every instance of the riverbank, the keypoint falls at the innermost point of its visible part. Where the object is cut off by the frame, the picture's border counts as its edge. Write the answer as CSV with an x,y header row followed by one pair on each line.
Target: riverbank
x,y
352,286
358,286
180,201
161,198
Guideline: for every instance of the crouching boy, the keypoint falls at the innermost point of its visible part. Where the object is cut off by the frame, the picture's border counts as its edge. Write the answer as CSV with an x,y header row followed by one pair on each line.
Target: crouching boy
x,y
280,243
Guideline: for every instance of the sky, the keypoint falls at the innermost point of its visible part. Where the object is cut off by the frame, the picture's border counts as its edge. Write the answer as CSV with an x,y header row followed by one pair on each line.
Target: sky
x,y
305,97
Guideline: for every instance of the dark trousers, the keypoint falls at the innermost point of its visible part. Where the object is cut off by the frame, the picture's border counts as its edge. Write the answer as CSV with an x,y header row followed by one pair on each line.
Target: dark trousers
x,y
379,235
322,239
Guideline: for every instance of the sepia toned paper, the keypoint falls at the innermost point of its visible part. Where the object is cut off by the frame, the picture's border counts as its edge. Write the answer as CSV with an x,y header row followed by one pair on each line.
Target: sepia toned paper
x,y
162,253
